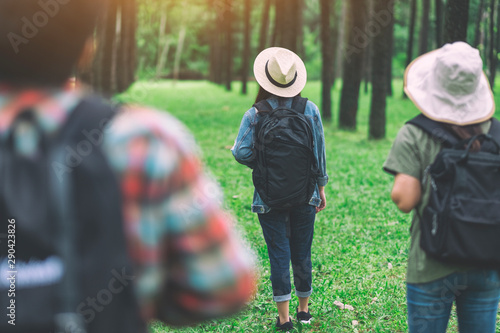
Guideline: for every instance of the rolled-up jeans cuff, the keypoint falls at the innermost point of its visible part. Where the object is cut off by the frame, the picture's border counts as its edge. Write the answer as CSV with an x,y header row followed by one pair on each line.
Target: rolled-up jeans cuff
x,y
303,294
282,298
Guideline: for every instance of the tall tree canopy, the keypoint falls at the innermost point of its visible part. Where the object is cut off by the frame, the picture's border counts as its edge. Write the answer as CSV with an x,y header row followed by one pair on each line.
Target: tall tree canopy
x,y
218,40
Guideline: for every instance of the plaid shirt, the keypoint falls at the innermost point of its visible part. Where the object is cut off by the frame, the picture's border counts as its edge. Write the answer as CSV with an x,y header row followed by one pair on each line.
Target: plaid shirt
x,y
174,224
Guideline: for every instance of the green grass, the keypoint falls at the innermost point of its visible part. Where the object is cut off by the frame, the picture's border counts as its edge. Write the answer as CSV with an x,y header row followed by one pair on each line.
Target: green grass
x,y
356,237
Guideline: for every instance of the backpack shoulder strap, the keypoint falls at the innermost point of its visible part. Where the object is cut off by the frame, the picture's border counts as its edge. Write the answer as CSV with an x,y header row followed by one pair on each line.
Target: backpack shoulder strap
x,y
494,132
263,106
435,129
299,104
495,129
91,113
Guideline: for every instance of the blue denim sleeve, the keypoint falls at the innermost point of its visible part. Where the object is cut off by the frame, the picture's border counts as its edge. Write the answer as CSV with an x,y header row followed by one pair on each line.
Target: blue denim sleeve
x,y
243,150
320,153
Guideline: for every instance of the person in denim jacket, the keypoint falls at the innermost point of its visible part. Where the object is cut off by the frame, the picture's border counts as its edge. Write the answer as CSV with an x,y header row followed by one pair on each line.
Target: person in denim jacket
x,y
282,75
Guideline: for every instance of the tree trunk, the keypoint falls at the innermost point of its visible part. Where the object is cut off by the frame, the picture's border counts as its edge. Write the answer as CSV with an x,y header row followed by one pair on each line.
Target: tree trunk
x,y
246,46
370,11
497,46
486,33
335,40
379,77
357,41
390,49
411,34
341,26
411,31
126,51
479,18
492,54
456,20
108,65
216,30
228,18
178,52
299,24
162,40
92,75
132,46
439,22
264,27
163,58
423,44
288,29
327,57
279,22
121,50
367,67
287,26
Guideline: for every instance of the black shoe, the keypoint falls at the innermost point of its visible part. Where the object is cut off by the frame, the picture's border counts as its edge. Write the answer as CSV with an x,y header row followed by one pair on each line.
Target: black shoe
x,y
304,317
285,326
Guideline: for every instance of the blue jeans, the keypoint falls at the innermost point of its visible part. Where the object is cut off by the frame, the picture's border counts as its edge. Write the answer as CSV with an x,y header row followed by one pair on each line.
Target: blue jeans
x,y
296,249
476,293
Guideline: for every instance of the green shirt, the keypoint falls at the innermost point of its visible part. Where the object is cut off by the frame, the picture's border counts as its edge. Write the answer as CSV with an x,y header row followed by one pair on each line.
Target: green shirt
x,y
412,151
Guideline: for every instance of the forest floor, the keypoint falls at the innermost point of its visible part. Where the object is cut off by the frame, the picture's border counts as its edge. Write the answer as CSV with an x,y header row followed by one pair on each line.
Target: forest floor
x,y
361,240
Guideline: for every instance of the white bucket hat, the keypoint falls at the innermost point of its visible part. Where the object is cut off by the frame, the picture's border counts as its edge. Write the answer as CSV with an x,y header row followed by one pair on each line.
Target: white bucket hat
x,y
280,71
448,85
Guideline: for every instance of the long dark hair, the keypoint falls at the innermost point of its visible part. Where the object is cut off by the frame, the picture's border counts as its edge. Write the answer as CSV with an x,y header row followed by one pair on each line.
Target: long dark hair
x,y
263,94
466,132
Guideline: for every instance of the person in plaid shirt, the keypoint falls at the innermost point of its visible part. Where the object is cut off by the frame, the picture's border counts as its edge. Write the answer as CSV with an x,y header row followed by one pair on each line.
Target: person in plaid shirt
x,y
175,228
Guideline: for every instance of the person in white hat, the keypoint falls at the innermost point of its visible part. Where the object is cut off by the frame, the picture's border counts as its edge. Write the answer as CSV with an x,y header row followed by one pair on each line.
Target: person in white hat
x,y
282,75
449,87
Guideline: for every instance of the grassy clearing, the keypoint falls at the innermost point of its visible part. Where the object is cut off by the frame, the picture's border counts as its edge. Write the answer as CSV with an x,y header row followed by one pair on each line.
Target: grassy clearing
x,y
361,240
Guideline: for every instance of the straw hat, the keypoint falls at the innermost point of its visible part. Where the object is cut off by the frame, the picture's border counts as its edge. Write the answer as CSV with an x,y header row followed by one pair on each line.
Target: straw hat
x,y
448,85
280,71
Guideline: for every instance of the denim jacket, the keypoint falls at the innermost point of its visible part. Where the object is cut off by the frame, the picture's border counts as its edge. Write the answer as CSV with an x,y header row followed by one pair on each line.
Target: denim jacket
x,y
244,153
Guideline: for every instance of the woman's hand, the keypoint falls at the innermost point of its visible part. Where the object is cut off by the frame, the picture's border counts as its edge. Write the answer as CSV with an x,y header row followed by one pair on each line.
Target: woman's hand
x,y
322,196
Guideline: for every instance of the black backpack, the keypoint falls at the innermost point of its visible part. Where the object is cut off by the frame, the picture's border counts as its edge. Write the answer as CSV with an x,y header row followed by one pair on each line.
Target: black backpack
x,y
286,171
461,222
64,248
